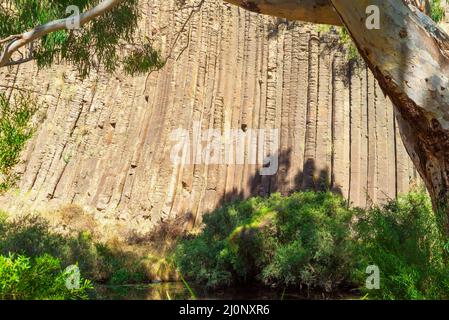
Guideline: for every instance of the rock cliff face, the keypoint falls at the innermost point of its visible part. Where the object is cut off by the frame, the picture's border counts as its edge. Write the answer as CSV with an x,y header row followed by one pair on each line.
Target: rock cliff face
x,y
106,143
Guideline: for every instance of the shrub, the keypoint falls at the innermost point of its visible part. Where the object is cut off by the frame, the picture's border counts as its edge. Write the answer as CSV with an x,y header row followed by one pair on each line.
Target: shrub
x,y
28,235
314,235
404,240
31,235
314,240
25,278
303,239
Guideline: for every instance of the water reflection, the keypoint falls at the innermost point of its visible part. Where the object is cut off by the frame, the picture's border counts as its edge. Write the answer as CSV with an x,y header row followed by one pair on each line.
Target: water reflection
x,y
177,291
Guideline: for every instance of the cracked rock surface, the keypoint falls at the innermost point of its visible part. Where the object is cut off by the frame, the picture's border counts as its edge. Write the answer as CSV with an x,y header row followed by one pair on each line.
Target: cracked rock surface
x,y
105,143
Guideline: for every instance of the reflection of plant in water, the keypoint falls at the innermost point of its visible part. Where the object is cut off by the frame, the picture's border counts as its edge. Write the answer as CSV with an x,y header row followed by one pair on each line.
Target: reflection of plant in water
x,y
192,294
155,291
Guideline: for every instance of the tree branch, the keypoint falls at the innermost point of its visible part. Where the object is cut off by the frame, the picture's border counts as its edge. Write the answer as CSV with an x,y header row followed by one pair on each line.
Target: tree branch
x,y
15,42
315,11
408,50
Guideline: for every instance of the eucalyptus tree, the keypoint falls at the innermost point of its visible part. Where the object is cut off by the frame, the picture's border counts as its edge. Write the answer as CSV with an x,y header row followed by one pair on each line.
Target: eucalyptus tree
x,y
404,48
84,33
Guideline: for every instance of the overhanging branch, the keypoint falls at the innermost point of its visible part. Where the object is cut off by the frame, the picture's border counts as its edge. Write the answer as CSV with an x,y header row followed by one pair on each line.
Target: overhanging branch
x,y
15,42
315,11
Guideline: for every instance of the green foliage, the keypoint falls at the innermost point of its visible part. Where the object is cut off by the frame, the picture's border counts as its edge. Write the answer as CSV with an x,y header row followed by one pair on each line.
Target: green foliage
x,y
15,130
118,267
188,287
314,240
298,240
352,53
437,12
143,60
25,278
324,28
104,41
404,240
344,40
31,235
122,276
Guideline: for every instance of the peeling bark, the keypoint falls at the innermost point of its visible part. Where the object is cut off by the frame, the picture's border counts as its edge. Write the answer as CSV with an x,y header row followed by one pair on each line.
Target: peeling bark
x,y
409,56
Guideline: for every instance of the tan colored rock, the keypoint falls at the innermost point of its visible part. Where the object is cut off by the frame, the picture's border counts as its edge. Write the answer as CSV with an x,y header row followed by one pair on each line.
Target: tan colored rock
x,y
105,142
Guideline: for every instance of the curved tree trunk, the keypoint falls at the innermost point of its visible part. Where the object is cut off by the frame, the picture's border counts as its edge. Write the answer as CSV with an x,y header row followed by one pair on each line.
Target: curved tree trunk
x,y
409,56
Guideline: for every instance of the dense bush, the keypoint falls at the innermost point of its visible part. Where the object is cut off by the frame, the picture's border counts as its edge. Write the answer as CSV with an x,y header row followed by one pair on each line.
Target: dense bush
x,y
31,235
303,239
404,240
307,240
314,240
24,278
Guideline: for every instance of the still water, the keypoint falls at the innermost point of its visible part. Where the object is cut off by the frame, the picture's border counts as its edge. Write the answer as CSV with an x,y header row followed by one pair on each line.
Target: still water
x,y
177,290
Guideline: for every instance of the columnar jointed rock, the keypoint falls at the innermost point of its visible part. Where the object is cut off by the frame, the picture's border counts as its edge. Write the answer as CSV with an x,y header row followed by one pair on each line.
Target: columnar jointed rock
x,y
105,141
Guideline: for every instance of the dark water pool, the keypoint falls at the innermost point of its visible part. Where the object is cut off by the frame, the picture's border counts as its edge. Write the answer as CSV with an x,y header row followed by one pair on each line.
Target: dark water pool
x,y
177,290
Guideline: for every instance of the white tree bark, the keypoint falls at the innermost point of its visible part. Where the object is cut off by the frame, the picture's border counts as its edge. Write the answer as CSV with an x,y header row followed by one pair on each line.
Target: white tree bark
x,y
13,43
409,56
